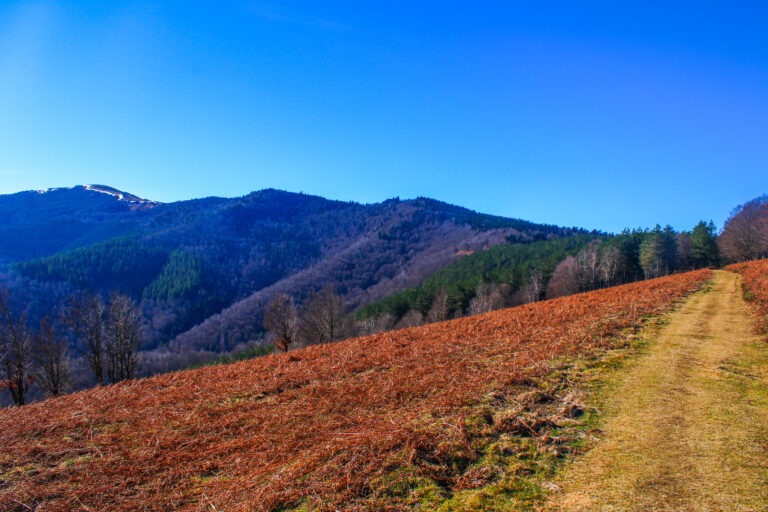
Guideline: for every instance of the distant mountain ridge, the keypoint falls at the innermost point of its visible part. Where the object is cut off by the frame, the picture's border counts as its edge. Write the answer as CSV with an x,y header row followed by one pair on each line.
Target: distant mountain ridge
x,y
203,269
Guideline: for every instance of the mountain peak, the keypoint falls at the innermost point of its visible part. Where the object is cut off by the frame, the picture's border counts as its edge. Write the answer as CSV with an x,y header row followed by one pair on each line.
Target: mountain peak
x,y
133,201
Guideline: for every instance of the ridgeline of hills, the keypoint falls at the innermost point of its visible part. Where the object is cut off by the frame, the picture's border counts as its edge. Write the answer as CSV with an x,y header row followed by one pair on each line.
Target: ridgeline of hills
x,y
204,269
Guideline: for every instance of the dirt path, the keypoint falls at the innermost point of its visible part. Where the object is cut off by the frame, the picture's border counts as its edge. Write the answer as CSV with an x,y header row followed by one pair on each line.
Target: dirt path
x,y
687,428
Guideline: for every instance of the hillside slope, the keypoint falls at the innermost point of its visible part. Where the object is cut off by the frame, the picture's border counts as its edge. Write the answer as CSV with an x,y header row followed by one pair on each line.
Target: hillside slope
x,y
366,270
381,422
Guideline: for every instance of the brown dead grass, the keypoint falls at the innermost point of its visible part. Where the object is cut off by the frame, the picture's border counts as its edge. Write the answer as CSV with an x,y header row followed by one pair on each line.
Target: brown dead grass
x,y
688,426
312,428
755,283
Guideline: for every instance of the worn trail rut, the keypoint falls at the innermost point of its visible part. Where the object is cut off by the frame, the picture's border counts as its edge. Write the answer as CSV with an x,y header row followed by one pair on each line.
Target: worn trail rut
x,y
687,426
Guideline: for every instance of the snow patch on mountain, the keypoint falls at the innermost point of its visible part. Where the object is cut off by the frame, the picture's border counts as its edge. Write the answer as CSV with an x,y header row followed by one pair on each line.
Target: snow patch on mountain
x,y
132,200
97,188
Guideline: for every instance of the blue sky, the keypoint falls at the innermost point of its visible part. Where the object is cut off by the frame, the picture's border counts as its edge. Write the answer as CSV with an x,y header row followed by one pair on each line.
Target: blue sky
x,y
597,114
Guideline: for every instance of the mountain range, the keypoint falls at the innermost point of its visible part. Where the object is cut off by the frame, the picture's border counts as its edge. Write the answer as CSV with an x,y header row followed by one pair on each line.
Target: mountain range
x,y
204,269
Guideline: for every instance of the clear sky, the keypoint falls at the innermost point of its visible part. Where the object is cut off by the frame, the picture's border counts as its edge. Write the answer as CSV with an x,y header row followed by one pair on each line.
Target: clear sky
x,y
601,114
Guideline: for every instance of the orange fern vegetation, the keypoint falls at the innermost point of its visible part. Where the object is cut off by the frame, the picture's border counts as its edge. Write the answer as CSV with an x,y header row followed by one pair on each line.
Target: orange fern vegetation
x,y
755,282
317,428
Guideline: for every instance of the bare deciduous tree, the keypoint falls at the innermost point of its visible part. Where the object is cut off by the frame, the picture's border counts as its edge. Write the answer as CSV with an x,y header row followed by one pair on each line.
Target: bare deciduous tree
x,y
534,287
441,307
85,317
51,360
566,279
15,351
610,260
589,265
122,338
384,322
281,320
412,318
323,318
745,236
373,325
488,297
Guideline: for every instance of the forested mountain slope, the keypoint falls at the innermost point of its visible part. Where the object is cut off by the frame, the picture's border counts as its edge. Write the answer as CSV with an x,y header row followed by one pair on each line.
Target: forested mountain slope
x,y
396,245
38,223
188,260
514,265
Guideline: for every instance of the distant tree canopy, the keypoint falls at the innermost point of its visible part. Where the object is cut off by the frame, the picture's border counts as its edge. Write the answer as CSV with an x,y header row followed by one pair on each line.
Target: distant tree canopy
x,y
125,264
512,264
181,276
440,211
514,273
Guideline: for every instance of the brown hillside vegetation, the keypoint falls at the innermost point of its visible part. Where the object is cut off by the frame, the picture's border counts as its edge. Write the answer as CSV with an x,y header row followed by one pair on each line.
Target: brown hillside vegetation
x,y
755,283
314,428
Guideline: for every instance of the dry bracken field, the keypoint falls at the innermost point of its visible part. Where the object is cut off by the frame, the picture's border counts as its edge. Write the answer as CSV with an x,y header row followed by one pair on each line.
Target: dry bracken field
x,y
320,428
755,282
